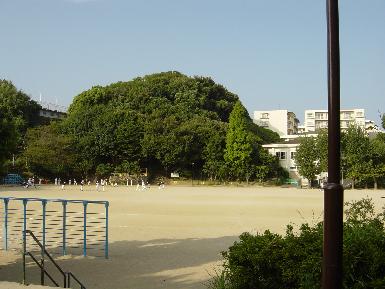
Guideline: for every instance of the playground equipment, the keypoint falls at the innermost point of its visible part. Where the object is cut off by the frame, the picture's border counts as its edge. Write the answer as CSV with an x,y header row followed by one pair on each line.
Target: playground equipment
x,y
13,179
65,226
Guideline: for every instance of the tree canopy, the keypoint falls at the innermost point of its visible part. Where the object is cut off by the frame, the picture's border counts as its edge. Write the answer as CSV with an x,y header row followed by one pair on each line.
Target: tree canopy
x,y
307,158
241,151
17,106
164,121
17,113
362,158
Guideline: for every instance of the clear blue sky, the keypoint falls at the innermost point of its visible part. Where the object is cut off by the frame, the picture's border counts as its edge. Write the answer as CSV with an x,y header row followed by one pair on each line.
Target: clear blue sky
x,y
271,53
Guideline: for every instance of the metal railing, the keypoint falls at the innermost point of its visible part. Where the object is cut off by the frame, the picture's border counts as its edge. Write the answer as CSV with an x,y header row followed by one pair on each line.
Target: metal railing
x,y
43,272
56,221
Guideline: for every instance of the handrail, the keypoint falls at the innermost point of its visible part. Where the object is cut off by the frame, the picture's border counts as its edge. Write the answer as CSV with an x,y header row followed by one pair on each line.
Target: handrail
x,y
45,251
48,255
41,267
67,275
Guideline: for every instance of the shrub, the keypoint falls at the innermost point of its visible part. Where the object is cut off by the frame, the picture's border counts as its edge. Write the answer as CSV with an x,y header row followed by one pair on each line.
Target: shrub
x,y
294,260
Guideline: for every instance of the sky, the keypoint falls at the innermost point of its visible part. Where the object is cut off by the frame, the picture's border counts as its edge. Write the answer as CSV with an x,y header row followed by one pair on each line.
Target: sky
x,y
271,53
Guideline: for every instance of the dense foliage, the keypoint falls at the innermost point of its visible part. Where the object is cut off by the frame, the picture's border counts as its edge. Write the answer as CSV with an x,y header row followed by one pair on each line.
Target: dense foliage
x,y
307,157
17,113
362,157
49,153
164,122
294,260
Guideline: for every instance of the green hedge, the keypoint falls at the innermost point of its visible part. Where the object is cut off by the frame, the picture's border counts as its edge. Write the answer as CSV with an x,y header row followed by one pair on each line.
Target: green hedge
x,y
294,260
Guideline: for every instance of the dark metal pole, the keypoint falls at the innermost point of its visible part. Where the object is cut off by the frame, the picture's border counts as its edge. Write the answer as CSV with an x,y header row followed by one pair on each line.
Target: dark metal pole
x,y
192,174
333,194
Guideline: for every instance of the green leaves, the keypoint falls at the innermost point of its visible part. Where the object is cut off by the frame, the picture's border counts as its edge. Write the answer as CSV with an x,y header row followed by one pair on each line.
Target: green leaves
x,y
17,113
362,159
49,153
161,120
239,148
307,158
295,260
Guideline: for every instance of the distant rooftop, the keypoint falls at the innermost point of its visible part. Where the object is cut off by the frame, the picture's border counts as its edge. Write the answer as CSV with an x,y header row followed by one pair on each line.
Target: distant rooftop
x,y
52,106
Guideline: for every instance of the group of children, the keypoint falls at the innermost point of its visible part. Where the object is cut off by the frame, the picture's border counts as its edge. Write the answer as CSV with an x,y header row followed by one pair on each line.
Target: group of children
x,y
58,182
31,183
100,185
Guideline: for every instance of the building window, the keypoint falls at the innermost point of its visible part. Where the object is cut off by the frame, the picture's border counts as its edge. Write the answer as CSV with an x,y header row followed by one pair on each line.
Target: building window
x,y
310,115
292,155
281,155
265,115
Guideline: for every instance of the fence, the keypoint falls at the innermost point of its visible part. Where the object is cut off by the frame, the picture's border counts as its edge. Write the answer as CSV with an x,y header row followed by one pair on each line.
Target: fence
x,y
65,226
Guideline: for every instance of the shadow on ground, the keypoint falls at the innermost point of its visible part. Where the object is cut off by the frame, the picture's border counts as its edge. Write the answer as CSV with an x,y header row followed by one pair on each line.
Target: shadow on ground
x,y
163,263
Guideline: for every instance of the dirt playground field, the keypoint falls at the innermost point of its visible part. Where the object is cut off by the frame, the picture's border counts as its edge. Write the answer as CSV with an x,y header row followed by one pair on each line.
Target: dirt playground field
x,y
172,238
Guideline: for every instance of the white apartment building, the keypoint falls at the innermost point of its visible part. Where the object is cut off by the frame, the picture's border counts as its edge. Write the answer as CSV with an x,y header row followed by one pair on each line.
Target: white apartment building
x,y
318,119
283,122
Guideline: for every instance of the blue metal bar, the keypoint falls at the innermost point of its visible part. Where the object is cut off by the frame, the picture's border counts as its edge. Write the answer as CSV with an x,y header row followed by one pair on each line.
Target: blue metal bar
x,y
6,201
64,251
24,222
65,233
85,203
44,204
24,237
53,200
106,242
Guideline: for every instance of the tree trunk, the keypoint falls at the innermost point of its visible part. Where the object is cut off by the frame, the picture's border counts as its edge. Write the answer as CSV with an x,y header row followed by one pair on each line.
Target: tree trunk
x,y
375,183
353,184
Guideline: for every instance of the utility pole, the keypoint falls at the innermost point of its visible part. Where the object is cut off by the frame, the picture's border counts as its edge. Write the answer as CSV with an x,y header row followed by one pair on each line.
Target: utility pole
x,y
333,193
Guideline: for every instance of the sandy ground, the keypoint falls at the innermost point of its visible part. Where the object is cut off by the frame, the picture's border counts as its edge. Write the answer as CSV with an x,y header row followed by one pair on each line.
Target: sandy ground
x,y
172,238
13,285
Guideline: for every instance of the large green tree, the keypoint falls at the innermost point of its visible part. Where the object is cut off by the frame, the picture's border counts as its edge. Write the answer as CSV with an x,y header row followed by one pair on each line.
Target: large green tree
x,y
356,154
240,153
164,121
307,158
214,165
8,139
18,107
377,159
49,153
17,113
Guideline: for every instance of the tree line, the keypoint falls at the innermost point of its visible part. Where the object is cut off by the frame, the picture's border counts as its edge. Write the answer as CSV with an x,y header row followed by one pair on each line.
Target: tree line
x,y
362,156
165,122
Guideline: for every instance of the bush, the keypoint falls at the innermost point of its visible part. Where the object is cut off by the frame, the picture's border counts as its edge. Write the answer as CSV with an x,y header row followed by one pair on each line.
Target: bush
x,y
294,260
